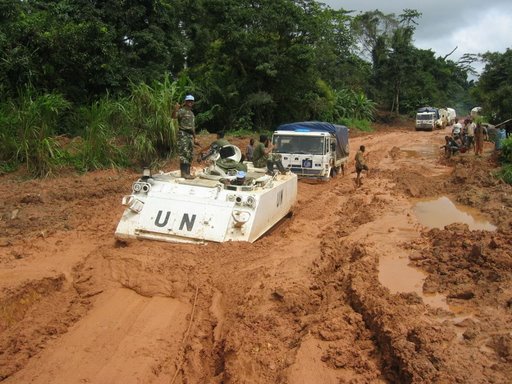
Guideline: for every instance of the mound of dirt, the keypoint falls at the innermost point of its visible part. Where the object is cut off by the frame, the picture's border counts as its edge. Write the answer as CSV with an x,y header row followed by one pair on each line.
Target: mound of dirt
x,y
306,303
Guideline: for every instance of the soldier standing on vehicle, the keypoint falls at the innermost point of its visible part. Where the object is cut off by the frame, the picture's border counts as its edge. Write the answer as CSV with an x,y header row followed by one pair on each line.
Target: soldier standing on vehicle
x,y
186,134
360,164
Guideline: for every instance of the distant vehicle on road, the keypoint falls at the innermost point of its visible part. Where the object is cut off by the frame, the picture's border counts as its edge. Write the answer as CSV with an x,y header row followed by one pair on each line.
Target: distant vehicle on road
x,y
475,112
426,118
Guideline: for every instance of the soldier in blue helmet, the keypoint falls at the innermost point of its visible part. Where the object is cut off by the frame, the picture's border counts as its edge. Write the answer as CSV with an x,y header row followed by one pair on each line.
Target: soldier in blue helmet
x,y
186,134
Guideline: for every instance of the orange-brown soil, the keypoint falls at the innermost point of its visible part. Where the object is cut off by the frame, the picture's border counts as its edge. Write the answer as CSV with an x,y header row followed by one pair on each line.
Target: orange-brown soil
x,y
304,304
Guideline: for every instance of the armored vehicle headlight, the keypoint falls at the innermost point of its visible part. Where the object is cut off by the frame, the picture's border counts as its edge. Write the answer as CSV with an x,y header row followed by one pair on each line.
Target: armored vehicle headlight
x,y
250,202
136,187
146,187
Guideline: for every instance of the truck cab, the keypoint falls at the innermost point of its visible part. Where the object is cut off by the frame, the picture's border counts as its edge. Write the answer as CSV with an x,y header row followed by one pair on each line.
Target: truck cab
x,y
312,149
425,121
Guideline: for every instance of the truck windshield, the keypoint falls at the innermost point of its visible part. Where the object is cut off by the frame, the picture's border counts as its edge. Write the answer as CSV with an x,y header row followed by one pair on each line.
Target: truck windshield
x,y
424,117
298,144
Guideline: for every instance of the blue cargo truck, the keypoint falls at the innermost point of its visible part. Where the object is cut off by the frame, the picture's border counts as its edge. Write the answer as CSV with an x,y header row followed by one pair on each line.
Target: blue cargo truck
x,y
312,149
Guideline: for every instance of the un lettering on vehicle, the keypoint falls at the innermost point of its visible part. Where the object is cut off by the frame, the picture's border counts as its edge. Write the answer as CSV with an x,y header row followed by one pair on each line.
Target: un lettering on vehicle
x,y
186,222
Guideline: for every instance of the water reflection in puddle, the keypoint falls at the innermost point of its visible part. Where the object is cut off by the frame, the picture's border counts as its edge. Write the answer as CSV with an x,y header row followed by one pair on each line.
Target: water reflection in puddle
x,y
442,211
420,151
398,276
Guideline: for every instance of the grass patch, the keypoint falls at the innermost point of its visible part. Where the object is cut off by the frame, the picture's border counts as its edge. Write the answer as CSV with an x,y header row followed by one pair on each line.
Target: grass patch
x,y
361,125
8,167
505,173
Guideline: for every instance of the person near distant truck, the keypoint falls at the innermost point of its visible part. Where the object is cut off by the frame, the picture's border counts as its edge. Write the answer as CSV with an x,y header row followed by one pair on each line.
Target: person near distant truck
x,y
479,139
470,134
361,164
456,129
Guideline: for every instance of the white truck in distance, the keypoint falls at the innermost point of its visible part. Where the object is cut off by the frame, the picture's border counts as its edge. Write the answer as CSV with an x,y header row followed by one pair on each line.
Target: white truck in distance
x,y
429,118
425,121
312,149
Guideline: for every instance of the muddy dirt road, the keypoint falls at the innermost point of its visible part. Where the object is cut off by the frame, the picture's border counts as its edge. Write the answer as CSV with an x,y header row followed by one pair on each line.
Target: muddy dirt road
x,y
356,287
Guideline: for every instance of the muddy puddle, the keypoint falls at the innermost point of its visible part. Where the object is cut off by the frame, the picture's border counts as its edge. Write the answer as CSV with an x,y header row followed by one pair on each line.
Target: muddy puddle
x,y
418,151
442,211
397,275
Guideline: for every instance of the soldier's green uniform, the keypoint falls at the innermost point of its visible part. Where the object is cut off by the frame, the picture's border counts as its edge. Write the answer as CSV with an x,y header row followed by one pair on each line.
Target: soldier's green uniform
x,y
259,159
186,131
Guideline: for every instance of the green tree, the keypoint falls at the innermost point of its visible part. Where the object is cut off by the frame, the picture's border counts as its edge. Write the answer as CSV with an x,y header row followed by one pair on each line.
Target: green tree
x,y
84,49
262,62
494,87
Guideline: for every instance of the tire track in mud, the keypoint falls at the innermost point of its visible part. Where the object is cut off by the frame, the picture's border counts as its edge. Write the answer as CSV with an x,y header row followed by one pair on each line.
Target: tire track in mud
x,y
269,323
302,304
272,312
285,315
385,316
413,344
27,326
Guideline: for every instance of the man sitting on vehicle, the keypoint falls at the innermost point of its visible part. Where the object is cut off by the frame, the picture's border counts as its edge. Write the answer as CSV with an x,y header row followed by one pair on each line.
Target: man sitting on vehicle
x,y
227,161
263,156
218,143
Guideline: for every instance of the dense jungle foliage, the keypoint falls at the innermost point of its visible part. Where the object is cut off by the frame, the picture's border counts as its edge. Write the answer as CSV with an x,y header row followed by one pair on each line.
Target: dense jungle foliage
x,y
91,82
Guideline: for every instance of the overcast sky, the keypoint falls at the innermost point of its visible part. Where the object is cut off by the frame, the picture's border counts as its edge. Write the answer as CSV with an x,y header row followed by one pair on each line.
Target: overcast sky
x,y
474,26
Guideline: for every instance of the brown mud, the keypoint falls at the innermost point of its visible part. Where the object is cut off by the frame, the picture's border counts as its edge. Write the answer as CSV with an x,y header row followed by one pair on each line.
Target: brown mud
x,y
317,300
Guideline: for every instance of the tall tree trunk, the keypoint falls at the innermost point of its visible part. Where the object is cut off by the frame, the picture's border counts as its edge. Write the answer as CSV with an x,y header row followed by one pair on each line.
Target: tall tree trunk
x,y
396,98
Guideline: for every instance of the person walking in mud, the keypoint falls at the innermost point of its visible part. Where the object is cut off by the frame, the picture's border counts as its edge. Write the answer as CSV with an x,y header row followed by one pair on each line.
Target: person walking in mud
x,y
186,134
479,139
360,164
470,135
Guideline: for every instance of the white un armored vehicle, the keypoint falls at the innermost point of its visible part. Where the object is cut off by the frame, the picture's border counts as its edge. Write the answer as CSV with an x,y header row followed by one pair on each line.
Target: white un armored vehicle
x,y
217,205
